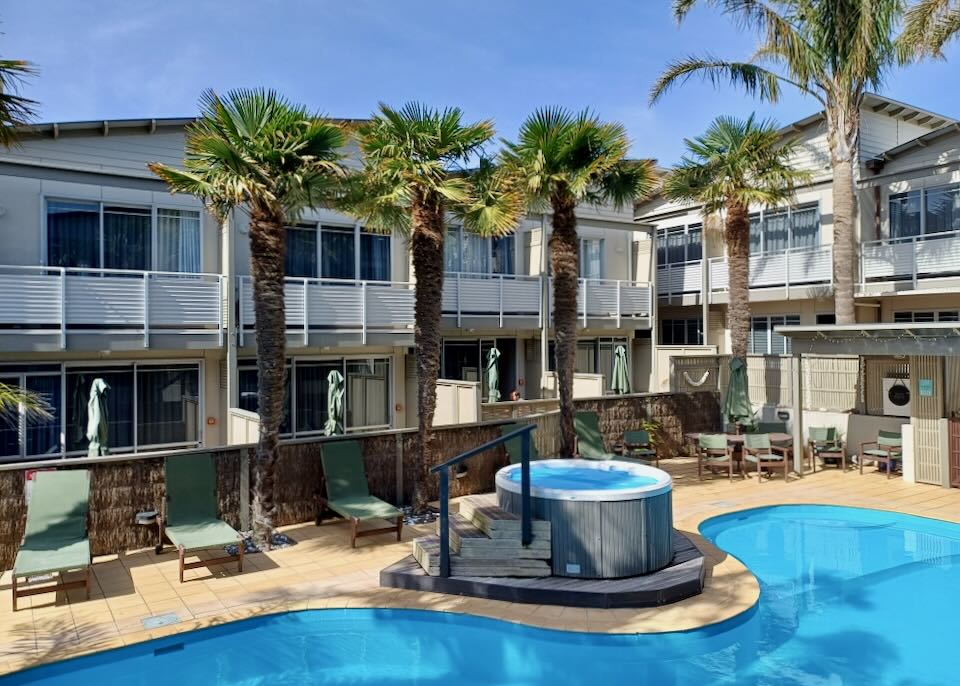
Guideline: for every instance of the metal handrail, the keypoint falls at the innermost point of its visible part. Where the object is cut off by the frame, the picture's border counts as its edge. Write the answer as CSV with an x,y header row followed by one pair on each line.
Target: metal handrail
x,y
526,525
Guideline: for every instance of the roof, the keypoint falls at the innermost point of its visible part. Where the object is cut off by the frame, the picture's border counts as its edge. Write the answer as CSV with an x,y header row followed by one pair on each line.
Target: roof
x,y
919,142
932,338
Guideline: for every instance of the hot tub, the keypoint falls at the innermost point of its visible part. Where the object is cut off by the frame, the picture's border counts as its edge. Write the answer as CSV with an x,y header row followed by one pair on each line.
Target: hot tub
x,y
609,519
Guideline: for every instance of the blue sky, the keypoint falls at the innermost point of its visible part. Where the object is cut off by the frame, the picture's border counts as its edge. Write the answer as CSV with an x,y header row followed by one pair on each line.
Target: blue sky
x,y
496,58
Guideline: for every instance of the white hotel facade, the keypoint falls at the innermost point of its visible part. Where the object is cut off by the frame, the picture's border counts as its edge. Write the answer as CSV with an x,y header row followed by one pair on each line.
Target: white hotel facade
x,y
105,274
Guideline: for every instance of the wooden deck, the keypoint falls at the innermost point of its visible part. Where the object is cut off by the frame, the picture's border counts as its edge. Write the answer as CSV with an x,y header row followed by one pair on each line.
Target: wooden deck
x,y
683,578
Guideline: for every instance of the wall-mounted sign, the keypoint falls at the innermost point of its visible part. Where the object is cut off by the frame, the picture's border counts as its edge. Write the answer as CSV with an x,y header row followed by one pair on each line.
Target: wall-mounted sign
x,y
925,386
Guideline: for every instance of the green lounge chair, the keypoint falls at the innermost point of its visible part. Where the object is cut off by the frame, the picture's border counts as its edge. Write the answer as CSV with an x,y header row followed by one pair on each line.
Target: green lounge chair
x,y
826,445
887,450
55,540
765,455
714,451
637,443
190,520
347,493
515,445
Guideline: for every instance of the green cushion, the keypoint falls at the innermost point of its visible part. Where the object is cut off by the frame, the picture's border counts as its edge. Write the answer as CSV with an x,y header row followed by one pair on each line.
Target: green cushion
x,y
641,452
364,507
515,445
877,452
772,428
589,439
768,457
191,489
211,533
344,474
713,441
55,537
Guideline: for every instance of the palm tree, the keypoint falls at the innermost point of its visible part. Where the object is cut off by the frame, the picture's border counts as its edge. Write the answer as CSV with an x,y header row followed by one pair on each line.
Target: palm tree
x,y
929,25
735,164
416,171
15,110
256,150
564,159
832,51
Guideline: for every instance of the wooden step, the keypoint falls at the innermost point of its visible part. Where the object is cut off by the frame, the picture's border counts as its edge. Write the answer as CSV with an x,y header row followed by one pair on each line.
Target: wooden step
x,y
467,540
426,550
484,513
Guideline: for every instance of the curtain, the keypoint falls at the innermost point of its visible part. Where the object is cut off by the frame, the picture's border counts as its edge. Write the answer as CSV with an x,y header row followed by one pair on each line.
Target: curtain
x,y
805,228
301,259
126,238
694,243
43,435
662,247
168,405
178,241
675,252
776,232
756,234
451,250
311,400
905,215
758,336
475,254
368,393
590,257
337,253
942,210
586,357
502,249
73,234
374,257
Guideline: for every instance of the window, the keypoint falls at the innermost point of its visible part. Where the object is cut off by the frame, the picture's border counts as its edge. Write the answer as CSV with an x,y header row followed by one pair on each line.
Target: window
x,y
681,331
764,340
93,235
366,395
680,244
782,229
330,252
502,255
827,318
465,360
29,436
593,356
930,211
591,258
927,316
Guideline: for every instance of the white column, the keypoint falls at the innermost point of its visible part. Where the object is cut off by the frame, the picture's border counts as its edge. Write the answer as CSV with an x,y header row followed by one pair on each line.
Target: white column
x,y
797,387
544,305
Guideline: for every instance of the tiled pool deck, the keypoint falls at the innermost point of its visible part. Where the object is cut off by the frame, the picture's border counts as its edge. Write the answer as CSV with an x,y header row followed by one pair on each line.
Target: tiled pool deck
x,y
323,571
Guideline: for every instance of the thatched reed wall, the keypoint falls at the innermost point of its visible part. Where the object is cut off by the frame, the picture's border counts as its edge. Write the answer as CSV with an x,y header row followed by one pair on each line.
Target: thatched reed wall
x,y
123,486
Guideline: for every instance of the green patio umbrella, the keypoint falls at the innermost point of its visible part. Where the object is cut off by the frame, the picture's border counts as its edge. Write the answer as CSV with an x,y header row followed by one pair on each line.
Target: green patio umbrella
x,y
620,383
736,403
97,418
335,390
493,375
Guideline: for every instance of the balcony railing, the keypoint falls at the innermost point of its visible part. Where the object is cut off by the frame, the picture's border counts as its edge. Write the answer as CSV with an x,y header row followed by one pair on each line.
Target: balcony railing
x,y
612,299
500,297
807,266
335,305
912,259
56,300
679,278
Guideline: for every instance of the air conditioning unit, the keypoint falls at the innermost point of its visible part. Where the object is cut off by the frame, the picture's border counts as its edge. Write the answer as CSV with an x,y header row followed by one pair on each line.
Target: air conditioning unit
x,y
896,397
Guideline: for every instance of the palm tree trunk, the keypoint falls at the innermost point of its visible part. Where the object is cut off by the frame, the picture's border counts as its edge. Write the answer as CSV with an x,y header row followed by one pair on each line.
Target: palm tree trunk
x,y
844,239
737,238
565,264
267,253
427,248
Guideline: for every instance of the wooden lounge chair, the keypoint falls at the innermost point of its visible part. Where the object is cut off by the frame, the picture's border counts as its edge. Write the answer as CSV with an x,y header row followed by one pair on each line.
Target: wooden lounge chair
x,y
515,446
714,451
190,520
758,450
347,493
826,446
55,540
886,450
637,443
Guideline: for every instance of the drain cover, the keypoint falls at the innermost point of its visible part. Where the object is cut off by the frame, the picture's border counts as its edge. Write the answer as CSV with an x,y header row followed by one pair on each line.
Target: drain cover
x,y
157,621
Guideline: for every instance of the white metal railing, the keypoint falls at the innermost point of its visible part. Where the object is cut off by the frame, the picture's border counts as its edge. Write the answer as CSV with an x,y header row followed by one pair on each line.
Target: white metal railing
x,y
340,305
499,296
41,300
912,258
679,278
791,267
611,299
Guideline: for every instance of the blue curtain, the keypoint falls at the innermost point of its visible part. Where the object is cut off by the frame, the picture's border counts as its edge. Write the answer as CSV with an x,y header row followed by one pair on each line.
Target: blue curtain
x,y
178,241
756,234
337,253
805,228
776,231
126,238
301,260
73,234
503,255
168,405
374,257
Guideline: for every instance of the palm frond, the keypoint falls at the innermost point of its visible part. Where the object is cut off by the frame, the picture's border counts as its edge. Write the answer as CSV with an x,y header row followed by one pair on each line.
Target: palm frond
x,y
928,26
754,79
14,398
15,110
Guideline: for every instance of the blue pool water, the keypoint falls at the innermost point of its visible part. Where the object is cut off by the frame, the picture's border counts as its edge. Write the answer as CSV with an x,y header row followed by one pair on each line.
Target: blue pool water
x,y
849,598
582,478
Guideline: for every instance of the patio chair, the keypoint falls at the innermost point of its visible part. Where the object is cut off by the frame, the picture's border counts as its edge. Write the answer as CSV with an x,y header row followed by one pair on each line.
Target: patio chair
x,y
825,445
758,450
714,451
637,443
345,491
190,520
515,445
55,539
589,439
887,450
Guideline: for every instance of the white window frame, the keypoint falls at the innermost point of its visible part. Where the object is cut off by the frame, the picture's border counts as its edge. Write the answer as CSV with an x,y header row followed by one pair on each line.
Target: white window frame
x,y
790,209
685,229
922,192
788,344
357,229
488,244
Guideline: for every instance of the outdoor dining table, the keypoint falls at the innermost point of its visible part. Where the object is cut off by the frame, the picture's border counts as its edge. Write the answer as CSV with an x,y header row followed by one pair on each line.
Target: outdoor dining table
x,y
736,441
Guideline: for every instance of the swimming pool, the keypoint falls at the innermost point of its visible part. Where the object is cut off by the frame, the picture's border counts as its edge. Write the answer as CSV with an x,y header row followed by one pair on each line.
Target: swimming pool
x,y
849,597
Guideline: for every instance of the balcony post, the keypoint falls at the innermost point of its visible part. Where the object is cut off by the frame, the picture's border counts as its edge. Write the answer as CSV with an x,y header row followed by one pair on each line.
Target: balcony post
x,y
458,300
146,309
913,261
787,255
63,308
501,300
222,281
584,282
619,300
306,313
242,300
363,311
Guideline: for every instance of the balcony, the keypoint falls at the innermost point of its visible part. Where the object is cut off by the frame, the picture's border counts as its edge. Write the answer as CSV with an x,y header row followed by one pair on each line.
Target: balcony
x,y
778,275
679,279
912,263
606,302
336,312
492,300
53,308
